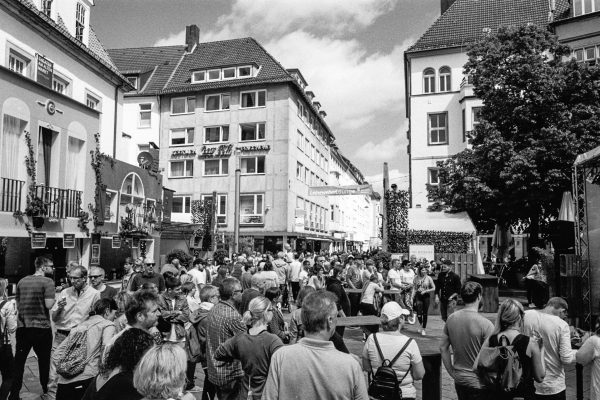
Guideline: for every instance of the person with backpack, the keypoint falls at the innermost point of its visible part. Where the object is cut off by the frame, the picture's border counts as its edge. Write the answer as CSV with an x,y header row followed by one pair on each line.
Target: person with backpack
x,y
8,326
393,359
77,358
509,361
209,296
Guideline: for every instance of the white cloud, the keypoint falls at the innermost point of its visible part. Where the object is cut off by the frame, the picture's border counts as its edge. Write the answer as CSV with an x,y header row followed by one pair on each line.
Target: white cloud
x,y
391,148
397,177
172,39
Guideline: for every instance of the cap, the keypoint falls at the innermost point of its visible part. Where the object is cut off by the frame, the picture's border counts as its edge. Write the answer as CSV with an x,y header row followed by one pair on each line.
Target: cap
x,y
392,310
350,256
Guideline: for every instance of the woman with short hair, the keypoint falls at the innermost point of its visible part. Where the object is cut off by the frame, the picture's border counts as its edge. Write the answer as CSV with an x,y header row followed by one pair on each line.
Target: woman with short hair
x,y
115,381
388,343
253,348
160,374
277,324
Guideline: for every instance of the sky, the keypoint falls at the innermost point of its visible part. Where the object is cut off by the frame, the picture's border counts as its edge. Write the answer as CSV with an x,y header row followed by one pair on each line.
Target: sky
x,y
351,52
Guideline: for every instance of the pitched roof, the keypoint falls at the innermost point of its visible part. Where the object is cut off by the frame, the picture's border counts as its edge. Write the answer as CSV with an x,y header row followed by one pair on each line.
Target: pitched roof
x,y
464,22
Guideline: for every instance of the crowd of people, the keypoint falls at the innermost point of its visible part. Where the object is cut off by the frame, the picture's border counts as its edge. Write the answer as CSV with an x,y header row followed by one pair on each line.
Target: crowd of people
x,y
144,337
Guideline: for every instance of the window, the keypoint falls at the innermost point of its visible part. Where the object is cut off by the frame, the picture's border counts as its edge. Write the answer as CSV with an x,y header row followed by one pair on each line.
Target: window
x,y
183,105
214,75
306,146
181,204
111,207
219,166
438,128
198,76
181,169
228,73
244,72
312,179
134,81
47,7
332,213
180,137
221,207
429,80
252,165
306,175
92,102
79,21
445,76
251,209
250,132
433,176
300,110
299,169
256,98
59,85
581,7
145,115
312,152
216,102
476,113
132,193
17,63
300,140
216,134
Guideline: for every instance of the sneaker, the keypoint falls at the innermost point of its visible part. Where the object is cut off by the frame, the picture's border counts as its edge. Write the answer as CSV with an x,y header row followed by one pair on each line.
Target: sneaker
x,y
423,332
412,319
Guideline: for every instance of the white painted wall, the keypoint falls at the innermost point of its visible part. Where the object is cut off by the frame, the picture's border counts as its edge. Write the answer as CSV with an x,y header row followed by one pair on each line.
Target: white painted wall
x,y
133,135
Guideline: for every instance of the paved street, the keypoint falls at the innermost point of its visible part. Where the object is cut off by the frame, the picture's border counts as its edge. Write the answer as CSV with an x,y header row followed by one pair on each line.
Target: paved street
x,y
353,338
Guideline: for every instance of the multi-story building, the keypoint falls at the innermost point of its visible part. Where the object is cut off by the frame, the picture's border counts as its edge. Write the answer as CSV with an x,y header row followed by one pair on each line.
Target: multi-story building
x,y
440,103
579,27
216,107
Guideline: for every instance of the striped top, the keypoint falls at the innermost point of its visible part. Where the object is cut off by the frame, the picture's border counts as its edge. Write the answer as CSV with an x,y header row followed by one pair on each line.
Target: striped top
x,y
31,293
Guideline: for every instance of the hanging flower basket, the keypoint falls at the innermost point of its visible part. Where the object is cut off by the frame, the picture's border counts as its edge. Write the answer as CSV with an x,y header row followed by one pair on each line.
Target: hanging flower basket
x,y
37,221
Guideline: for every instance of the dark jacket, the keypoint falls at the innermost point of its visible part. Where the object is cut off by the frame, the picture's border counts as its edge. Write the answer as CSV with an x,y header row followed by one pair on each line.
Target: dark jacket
x,y
178,315
447,284
334,286
199,326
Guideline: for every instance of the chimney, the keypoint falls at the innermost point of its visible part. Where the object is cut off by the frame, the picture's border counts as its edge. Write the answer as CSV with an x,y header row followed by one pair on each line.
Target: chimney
x,y
446,5
192,37
322,113
317,105
310,95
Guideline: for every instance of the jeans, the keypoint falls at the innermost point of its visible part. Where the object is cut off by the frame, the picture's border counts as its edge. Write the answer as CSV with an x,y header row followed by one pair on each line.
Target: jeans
x,y
354,303
208,389
189,375
469,393
41,341
72,391
369,309
232,391
53,378
446,308
422,304
284,296
295,289
7,369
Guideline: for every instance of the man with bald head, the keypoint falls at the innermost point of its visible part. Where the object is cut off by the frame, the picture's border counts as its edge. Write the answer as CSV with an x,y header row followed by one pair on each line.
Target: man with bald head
x,y
97,281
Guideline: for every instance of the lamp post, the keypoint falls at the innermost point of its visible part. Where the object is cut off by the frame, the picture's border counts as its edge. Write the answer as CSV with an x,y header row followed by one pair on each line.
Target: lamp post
x,y
236,227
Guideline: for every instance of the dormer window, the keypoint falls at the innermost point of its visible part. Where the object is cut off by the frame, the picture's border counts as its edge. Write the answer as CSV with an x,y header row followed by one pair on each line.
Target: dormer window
x,y
134,80
220,74
79,22
47,7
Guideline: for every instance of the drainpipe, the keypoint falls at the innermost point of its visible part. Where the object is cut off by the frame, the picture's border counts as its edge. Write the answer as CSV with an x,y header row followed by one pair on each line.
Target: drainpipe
x,y
114,152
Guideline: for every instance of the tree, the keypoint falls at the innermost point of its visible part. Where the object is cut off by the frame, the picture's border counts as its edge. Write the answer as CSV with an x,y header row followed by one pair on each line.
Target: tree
x,y
540,110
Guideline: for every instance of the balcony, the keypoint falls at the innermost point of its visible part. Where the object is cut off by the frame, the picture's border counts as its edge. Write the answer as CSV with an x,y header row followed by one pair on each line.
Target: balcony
x,y
466,88
10,194
62,203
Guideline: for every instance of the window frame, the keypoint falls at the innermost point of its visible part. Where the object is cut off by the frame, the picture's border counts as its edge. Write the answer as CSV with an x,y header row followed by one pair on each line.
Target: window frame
x,y
256,131
299,169
140,112
183,207
430,170
186,137
80,21
209,79
239,76
429,131
218,213
430,78
185,161
187,105
222,161
260,214
58,79
445,76
109,206
256,93
226,69
88,96
255,164
221,140
220,95
136,79
300,141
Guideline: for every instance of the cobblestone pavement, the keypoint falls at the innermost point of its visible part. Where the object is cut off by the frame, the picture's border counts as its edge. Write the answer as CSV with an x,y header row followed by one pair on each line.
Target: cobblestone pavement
x,y
353,337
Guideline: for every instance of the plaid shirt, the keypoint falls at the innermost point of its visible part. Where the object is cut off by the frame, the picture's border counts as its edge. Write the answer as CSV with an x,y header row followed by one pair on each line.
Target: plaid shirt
x,y
224,322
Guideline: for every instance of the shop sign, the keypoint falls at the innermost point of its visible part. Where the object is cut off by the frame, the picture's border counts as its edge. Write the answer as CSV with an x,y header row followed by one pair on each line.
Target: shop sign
x,y
248,149
421,251
68,241
351,190
95,256
116,242
190,153
224,150
45,71
38,240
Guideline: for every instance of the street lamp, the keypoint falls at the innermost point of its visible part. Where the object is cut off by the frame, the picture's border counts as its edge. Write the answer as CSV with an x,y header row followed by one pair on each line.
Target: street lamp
x,y
236,227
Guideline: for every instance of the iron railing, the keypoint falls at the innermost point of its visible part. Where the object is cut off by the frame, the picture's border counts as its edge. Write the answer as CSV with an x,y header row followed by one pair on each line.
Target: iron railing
x,y
62,203
10,194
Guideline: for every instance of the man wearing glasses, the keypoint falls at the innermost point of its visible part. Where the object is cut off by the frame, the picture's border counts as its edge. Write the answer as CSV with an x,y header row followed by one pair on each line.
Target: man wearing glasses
x,y
147,276
97,282
73,307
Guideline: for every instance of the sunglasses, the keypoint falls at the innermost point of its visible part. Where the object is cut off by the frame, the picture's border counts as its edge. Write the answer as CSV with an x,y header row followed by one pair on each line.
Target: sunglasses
x,y
95,276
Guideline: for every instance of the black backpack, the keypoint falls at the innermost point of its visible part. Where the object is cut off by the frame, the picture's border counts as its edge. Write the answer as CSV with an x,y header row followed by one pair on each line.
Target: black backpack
x,y
385,384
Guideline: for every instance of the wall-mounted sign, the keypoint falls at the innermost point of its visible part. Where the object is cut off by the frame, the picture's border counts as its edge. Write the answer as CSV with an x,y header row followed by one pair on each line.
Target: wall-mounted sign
x,y
191,153
50,107
246,149
95,256
420,251
224,150
45,71
145,159
351,190
38,240
68,241
116,242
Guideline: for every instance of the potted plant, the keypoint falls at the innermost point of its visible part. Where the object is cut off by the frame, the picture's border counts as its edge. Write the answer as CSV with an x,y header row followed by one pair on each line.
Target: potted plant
x,y
36,209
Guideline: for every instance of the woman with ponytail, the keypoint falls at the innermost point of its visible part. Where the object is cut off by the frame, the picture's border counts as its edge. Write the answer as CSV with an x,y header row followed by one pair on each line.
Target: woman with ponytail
x,y
254,348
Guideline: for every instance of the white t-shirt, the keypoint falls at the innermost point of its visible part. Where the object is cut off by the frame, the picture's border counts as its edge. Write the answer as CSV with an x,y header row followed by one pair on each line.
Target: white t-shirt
x,y
294,271
198,277
391,343
590,353
407,276
369,292
394,277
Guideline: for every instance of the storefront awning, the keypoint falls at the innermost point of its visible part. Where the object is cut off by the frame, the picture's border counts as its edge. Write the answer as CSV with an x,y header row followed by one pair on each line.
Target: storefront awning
x,y
318,238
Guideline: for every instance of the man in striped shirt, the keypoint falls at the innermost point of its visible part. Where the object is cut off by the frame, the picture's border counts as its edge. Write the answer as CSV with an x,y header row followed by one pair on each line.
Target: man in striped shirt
x,y
34,297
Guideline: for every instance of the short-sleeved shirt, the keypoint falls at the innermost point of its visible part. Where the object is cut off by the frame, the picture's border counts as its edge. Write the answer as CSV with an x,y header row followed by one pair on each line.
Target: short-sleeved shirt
x,y
393,277
30,295
407,276
467,330
78,307
391,343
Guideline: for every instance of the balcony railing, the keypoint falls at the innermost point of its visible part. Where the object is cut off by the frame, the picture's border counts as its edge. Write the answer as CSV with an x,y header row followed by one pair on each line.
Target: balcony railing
x,y
63,203
10,194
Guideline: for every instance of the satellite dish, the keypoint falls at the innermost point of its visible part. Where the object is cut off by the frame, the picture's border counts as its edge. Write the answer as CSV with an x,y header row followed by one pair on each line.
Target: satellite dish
x,y
145,159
